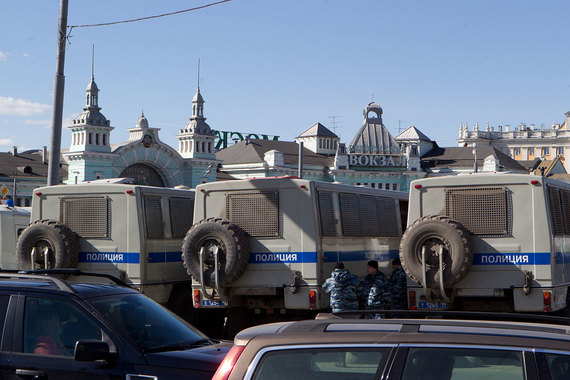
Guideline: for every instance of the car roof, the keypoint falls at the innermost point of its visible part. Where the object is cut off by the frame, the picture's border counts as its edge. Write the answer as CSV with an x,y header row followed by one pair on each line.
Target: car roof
x,y
415,330
49,281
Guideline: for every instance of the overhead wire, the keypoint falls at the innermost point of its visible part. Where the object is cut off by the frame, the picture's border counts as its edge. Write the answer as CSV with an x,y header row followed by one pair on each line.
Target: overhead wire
x,y
145,18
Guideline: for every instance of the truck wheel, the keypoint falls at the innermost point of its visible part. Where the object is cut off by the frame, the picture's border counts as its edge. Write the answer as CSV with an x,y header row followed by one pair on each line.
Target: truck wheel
x,y
233,251
53,244
434,232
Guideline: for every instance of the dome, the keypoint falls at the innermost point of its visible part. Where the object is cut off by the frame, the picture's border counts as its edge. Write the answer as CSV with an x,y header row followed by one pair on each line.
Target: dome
x,y
142,122
199,127
92,117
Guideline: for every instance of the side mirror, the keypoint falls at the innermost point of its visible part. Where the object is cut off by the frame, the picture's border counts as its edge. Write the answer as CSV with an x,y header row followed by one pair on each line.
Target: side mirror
x,y
88,350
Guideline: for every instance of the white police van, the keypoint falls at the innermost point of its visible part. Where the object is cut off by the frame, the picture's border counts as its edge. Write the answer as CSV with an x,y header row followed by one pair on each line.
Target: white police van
x,y
13,220
130,231
488,242
267,245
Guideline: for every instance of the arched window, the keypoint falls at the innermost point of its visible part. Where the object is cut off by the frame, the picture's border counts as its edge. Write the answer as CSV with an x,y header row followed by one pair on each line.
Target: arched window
x,y
143,174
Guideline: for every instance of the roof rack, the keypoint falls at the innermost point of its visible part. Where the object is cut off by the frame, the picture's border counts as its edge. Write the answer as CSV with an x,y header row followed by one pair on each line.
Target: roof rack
x,y
50,275
450,314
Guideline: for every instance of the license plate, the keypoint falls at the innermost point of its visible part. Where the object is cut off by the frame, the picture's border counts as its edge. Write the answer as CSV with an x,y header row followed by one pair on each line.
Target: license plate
x,y
214,303
432,305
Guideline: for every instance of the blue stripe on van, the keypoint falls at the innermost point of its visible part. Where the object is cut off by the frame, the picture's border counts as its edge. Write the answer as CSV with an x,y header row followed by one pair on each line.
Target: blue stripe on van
x,y
282,257
162,257
110,257
536,258
364,255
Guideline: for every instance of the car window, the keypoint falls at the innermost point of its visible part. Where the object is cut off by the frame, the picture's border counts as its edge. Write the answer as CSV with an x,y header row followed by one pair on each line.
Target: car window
x,y
4,299
463,363
51,327
145,323
559,366
330,363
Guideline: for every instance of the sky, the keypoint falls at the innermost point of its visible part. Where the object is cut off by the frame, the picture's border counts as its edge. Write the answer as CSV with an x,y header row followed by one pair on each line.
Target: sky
x,y
277,67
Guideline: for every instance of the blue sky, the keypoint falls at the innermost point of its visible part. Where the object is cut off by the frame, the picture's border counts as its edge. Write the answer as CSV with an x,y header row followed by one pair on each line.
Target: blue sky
x,y
279,66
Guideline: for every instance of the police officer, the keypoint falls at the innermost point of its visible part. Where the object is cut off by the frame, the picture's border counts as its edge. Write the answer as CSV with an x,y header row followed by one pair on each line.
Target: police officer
x,y
376,288
398,287
344,289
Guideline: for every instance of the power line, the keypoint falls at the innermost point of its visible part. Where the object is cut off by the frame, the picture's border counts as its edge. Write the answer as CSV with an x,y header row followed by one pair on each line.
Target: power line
x,y
148,17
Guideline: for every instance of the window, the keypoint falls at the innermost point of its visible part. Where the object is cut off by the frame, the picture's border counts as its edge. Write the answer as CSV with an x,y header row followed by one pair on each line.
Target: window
x,y
322,363
559,366
546,151
257,213
365,215
153,217
87,216
517,151
560,151
3,309
181,214
531,151
51,327
483,210
463,363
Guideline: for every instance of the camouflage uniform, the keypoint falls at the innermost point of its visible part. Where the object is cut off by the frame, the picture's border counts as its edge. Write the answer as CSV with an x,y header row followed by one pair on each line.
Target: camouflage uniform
x,y
344,289
398,290
376,289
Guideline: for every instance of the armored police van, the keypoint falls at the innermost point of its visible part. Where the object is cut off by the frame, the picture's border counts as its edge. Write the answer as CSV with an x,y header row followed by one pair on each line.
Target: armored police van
x,y
130,231
13,220
267,245
488,242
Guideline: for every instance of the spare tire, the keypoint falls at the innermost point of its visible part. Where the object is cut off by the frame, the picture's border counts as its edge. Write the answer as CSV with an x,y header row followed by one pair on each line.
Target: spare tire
x,y
56,246
233,251
434,232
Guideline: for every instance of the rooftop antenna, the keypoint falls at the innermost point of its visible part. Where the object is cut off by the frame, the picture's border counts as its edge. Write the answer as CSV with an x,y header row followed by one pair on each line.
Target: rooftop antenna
x,y
400,126
333,122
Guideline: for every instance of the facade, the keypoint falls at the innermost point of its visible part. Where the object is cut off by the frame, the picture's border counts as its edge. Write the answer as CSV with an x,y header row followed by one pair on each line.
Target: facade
x,y
525,142
143,157
374,158
22,172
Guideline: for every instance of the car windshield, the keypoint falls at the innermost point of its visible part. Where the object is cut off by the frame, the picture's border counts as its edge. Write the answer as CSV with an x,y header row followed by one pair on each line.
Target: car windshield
x,y
148,325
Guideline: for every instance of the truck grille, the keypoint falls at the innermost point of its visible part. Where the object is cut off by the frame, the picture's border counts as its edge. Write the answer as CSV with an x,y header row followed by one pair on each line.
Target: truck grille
x,y
257,213
482,210
87,216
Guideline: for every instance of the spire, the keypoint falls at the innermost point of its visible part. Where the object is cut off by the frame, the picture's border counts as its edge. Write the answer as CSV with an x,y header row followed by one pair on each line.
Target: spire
x,y
198,101
92,99
93,62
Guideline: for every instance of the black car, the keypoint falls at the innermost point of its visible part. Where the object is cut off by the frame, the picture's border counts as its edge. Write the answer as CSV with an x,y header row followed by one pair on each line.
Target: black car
x,y
64,329
411,346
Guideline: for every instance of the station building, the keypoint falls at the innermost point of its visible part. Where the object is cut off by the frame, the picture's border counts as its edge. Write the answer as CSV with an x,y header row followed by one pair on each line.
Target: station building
x,y
373,157
143,156
523,142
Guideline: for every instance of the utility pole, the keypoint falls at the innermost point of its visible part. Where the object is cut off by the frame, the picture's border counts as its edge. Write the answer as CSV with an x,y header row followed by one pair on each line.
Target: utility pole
x,y
59,85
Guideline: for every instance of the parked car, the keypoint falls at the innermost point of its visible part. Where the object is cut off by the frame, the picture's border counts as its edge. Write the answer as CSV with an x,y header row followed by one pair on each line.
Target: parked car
x,y
80,329
443,345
